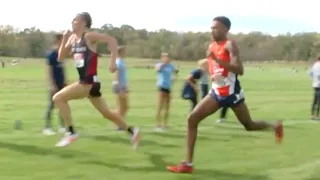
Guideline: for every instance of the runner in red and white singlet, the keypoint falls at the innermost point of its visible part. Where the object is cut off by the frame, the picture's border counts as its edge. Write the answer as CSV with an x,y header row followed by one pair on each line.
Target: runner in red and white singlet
x,y
224,82
83,45
224,67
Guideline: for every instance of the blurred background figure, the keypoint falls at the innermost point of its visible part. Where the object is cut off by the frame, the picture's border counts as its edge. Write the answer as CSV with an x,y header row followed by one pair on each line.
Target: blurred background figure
x,y
2,63
190,89
315,76
223,114
120,83
165,78
56,81
204,79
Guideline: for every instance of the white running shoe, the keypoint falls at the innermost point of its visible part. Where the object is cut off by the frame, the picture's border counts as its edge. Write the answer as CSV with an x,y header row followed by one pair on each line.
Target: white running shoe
x,y
62,130
220,120
67,139
158,129
135,138
165,128
48,132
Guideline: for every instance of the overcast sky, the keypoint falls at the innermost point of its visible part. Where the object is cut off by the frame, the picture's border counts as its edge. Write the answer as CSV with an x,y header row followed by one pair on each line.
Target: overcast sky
x,y
272,16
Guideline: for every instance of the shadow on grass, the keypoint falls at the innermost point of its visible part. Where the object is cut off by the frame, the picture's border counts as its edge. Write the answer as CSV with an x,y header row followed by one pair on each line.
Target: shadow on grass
x,y
159,165
313,178
35,150
230,125
237,125
296,127
127,141
209,136
183,136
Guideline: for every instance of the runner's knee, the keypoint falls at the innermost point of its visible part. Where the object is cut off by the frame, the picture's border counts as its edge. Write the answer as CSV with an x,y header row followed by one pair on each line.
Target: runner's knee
x,y
58,97
193,119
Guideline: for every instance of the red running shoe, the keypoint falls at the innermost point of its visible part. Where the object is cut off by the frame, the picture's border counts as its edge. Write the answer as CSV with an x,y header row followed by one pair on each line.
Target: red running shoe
x,y
181,168
279,132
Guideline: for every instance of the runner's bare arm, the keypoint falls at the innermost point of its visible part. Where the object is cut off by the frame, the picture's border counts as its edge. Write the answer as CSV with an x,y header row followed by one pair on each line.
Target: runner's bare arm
x,y
65,47
116,75
174,75
109,40
235,64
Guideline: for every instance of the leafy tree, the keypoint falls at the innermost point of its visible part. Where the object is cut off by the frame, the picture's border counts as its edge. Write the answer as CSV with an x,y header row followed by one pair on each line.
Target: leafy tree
x,y
254,46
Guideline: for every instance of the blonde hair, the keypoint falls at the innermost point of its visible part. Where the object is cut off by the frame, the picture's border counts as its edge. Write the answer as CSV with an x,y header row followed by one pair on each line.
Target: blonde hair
x,y
164,54
121,49
203,63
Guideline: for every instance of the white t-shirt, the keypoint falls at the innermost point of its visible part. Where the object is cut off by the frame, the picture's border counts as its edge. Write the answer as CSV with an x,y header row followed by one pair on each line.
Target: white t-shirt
x,y
315,74
204,78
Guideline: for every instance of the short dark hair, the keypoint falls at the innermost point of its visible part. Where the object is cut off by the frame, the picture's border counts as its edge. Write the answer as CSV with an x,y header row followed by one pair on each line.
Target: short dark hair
x,y
87,18
57,36
224,20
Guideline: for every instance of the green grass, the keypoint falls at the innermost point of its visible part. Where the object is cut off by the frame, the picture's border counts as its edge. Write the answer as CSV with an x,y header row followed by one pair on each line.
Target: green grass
x,y
224,152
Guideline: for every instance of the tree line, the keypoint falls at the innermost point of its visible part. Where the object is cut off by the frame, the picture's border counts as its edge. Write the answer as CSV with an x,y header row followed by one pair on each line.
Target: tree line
x,y
254,46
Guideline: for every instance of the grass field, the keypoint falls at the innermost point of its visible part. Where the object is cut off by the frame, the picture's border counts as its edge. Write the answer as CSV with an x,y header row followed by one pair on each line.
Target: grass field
x,y
224,152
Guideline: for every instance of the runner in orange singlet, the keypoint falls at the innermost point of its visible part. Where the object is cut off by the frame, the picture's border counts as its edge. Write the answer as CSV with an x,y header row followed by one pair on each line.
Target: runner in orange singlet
x,y
224,67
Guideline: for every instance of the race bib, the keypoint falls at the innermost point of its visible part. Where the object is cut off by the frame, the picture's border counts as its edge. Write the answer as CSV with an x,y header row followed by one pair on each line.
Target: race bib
x,y
217,76
220,80
78,60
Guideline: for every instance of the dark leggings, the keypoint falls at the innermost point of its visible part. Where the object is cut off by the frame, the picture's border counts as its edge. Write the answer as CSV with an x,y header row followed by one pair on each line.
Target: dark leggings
x,y
204,90
194,102
316,103
50,108
223,112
